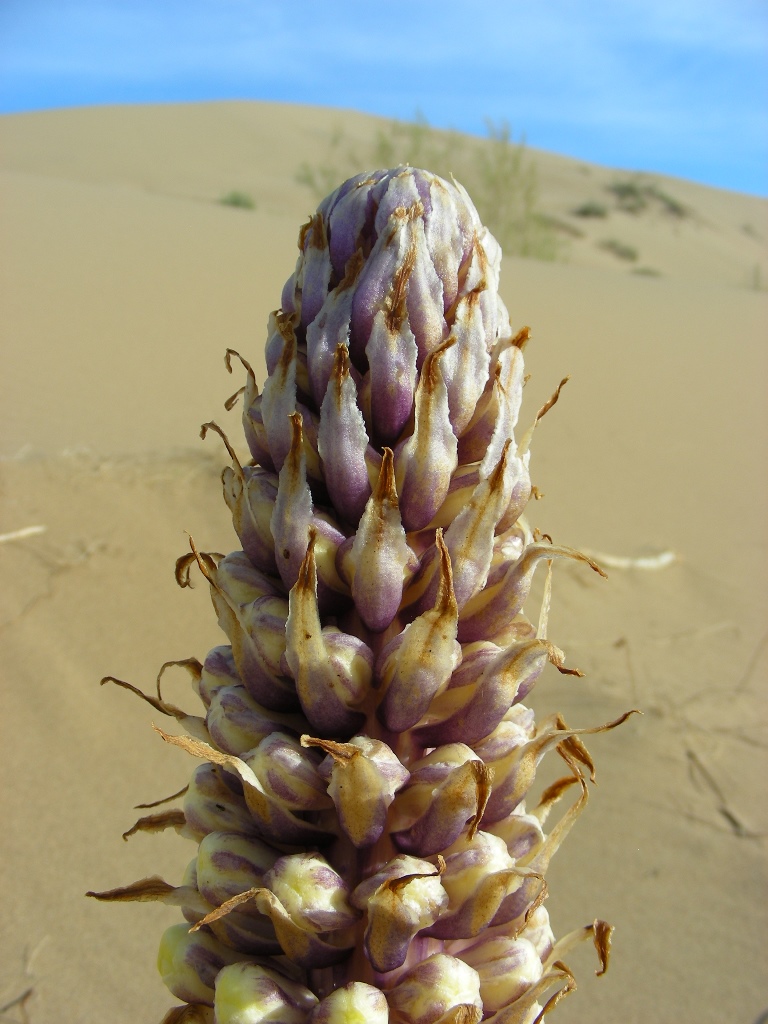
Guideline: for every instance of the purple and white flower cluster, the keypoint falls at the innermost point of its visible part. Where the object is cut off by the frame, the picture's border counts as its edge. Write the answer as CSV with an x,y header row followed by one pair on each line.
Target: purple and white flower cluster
x,y
366,852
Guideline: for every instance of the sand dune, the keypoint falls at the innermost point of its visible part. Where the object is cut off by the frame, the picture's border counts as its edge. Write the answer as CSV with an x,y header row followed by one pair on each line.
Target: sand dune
x,y
123,281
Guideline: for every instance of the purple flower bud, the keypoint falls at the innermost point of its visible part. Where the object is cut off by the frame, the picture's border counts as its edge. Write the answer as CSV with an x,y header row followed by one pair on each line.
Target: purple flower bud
x,y
315,271
218,671
417,664
479,874
511,672
252,612
515,771
213,804
269,817
424,463
488,614
400,900
307,902
236,722
278,402
229,864
496,411
343,442
332,671
288,772
293,519
248,993
250,494
193,913
521,832
507,967
446,794
392,347
378,561
313,893
331,327
539,933
363,777
436,987
189,962
470,537
355,1003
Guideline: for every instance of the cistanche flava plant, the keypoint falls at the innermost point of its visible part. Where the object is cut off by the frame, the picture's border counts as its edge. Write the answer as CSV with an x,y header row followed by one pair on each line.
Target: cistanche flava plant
x,y
365,849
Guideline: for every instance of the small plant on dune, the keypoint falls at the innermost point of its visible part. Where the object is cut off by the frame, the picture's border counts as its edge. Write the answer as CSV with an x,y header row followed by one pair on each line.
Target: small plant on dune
x,y
591,208
417,143
620,250
751,231
321,177
560,225
669,205
756,280
240,200
508,196
630,196
369,848
635,196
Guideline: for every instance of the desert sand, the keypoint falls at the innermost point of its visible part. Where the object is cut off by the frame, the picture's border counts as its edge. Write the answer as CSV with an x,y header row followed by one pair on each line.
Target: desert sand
x,y
123,281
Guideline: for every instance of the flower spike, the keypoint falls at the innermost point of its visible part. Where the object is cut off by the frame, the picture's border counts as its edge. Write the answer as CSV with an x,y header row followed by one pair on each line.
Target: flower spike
x,y
367,848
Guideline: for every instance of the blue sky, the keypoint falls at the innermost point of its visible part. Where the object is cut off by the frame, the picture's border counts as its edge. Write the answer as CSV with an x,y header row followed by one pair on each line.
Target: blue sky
x,y
674,86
